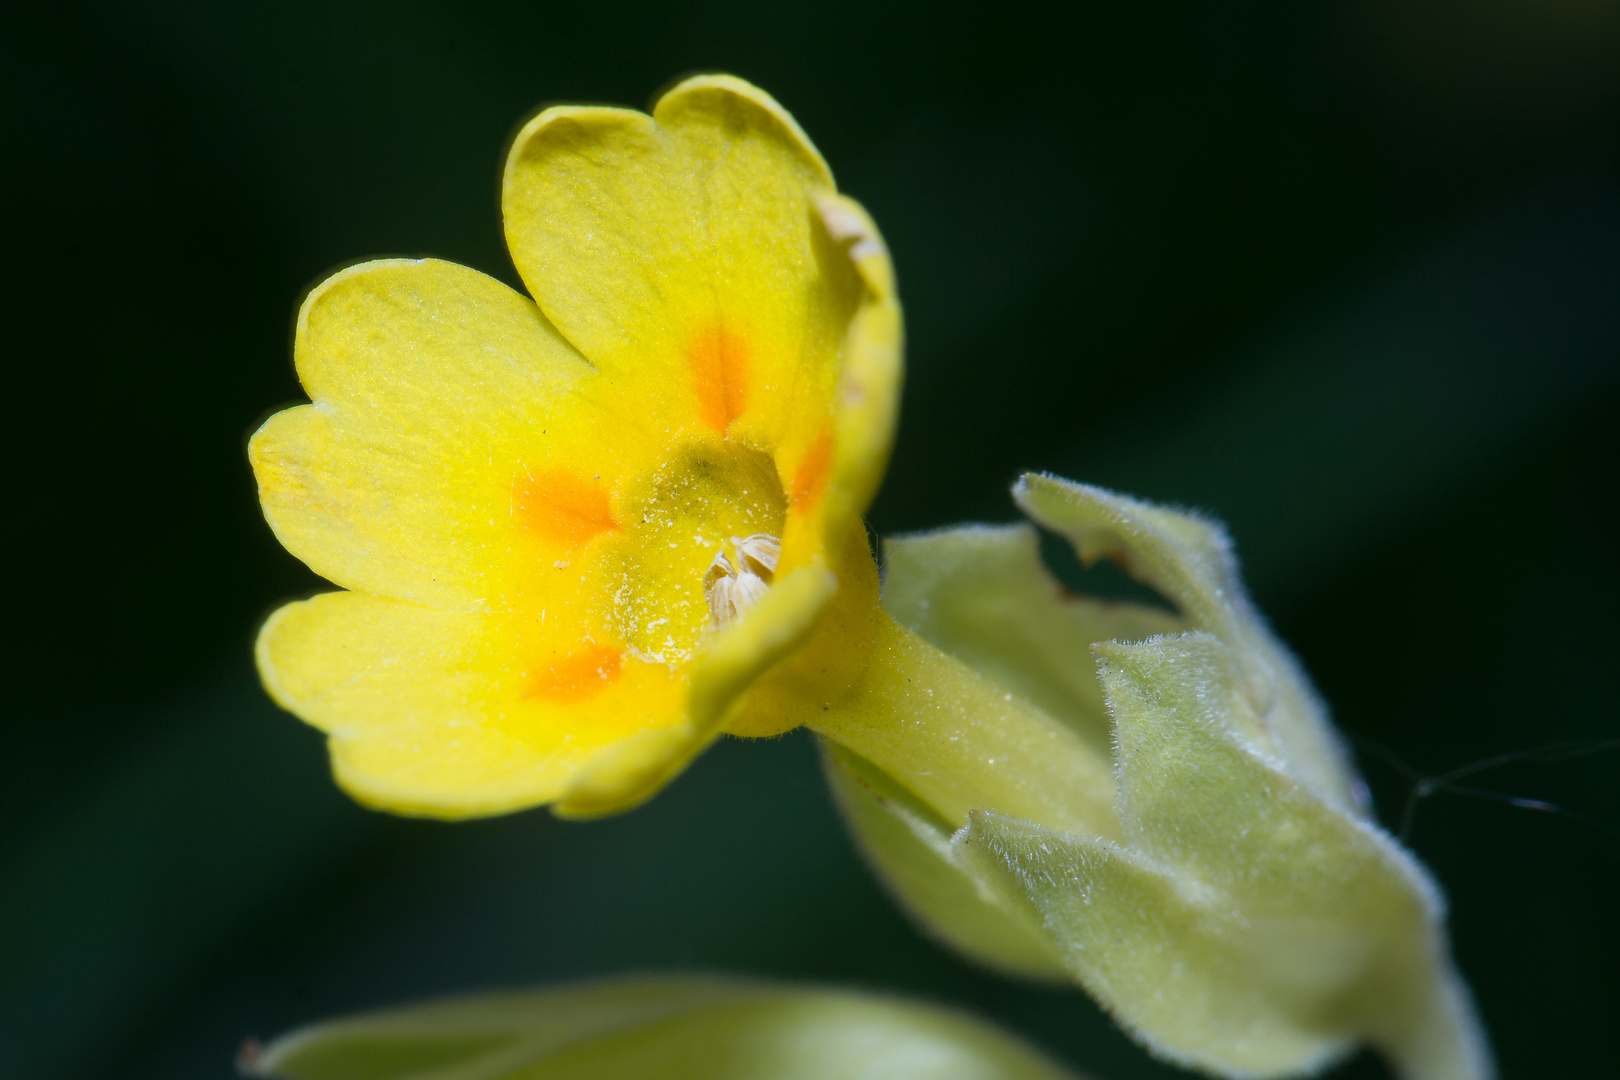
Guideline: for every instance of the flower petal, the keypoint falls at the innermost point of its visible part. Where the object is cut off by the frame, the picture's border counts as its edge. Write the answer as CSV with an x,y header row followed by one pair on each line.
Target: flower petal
x,y
680,252
867,396
460,714
453,445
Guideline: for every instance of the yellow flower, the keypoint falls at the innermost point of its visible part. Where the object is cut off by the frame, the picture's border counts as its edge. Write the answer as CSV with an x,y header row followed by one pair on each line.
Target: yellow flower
x,y
582,534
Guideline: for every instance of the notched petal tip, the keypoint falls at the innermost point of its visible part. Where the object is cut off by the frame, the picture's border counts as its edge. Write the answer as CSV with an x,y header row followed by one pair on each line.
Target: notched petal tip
x,y
719,93
567,126
336,280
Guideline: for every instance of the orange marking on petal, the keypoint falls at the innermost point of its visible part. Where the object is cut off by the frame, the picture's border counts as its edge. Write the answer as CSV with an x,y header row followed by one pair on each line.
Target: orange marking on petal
x,y
562,506
579,675
719,361
811,476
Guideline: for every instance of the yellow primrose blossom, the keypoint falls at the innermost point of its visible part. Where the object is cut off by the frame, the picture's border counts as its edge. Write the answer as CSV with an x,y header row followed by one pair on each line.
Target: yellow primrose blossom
x,y
583,533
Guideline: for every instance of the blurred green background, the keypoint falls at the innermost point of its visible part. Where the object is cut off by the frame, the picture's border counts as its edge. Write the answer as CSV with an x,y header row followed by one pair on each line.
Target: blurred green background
x,y
1346,275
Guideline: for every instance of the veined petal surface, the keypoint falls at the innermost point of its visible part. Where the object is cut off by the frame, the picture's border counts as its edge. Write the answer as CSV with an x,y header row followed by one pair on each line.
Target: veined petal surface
x,y
701,256
436,391
679,252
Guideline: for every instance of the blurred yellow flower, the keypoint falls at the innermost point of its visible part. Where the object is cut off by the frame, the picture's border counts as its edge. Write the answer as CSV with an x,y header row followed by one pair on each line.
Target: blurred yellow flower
x,y
583,534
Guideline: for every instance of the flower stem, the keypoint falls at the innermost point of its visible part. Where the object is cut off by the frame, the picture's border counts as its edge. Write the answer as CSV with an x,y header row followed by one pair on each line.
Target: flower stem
x,y
960,742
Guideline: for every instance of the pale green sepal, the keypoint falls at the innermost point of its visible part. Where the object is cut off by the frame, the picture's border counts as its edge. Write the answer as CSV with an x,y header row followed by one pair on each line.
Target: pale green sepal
x,y
1334,928
1196,790
1153,950
910,849
672,1028
982,594
1238,910
1189,560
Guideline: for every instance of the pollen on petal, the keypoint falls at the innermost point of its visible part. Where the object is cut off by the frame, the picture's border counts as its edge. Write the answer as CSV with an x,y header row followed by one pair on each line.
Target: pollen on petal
x,y
811,475
719,360
579,675
563,506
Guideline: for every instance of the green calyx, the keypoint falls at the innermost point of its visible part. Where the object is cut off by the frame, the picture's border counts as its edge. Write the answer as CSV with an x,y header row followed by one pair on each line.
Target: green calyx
x,y
1231,901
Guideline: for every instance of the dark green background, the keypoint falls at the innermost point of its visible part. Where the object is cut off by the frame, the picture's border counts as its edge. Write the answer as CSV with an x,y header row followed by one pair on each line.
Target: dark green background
x,y
1346,275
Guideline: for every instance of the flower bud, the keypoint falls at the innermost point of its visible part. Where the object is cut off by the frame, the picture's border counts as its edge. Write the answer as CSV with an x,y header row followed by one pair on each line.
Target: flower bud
x,y
1238,910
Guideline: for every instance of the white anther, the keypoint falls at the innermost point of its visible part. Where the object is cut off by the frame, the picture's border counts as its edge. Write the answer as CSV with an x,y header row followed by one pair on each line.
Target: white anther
x,y
735,584
760,550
